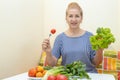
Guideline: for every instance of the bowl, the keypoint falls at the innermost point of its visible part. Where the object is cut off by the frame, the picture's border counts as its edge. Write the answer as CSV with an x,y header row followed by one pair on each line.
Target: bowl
x,y
34,78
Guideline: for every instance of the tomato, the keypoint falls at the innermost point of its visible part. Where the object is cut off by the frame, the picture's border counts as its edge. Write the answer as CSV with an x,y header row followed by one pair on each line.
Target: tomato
x,y
61,77
53,31
32,72
51,77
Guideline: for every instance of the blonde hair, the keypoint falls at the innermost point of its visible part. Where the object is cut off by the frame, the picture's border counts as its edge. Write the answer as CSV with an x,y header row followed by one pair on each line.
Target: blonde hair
x,y
74,5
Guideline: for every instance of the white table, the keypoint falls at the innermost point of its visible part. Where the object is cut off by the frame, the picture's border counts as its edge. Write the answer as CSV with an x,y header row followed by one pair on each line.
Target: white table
x,y
93,76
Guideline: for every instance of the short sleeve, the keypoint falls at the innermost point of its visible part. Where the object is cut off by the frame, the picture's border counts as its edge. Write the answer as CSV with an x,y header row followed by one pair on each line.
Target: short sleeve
x,y
56,51
92,52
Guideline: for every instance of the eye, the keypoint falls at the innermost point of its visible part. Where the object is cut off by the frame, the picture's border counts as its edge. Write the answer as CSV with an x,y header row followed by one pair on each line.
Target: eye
x,y
70,16
77,16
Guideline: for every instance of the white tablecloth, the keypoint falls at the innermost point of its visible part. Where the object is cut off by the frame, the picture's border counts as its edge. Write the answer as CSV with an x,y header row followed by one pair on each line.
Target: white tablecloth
x,y
93,76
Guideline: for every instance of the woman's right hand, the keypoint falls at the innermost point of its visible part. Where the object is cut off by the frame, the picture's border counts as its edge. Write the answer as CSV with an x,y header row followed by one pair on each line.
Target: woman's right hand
x,y
46,46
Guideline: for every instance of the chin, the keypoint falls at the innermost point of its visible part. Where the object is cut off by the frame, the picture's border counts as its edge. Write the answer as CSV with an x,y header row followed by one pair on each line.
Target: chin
x,y
74,27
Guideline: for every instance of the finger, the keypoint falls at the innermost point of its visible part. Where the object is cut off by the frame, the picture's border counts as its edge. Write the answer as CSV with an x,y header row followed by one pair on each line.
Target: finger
x,y
46,41
44,48
44,45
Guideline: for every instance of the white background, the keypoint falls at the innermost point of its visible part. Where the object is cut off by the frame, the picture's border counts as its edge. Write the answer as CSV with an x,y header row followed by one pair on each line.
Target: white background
x,y
25,23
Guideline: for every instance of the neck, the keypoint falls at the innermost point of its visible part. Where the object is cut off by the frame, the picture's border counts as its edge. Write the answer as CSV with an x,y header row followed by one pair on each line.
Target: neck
x,y
74,32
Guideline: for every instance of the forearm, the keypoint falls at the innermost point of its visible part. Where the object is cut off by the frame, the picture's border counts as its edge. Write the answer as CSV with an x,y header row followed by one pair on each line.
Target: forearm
x,y
50,59
98,57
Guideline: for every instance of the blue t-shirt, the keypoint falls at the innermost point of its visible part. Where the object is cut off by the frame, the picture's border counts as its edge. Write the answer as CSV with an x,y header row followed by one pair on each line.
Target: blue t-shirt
x,y
74,48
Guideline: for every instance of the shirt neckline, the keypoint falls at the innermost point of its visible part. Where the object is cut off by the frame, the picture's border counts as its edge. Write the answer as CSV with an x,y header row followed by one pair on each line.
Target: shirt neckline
x,y
76,36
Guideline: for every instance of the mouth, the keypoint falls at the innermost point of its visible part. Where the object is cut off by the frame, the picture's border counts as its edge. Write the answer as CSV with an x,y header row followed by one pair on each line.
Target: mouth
x,y
73,24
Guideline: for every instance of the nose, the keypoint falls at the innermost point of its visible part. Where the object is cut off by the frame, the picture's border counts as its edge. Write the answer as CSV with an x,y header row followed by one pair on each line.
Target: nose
x,y
73,19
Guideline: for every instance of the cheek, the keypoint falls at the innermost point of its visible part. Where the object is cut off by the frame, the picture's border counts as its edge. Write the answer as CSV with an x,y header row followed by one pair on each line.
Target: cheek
x,y
80,20
67,20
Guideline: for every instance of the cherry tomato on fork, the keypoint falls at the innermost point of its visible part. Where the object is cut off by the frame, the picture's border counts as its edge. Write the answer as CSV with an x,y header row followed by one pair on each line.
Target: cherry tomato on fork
x,y
53,31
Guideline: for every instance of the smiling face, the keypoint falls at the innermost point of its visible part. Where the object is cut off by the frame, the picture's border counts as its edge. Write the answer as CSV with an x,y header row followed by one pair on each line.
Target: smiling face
x,y
74,15
74,18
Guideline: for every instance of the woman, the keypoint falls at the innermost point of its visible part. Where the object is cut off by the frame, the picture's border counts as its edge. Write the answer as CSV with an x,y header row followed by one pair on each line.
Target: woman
x,y
74,43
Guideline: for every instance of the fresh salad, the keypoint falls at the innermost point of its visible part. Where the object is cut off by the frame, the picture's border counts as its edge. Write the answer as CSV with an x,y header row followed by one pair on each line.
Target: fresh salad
x,y
102,39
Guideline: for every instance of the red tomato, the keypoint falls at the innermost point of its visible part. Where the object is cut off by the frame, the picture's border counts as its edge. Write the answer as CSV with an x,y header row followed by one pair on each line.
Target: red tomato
x,y
61,77
51,77
53,31
32,72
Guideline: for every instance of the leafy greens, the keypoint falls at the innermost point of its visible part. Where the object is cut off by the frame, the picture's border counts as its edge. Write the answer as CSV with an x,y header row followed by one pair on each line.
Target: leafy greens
x,y
102,39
